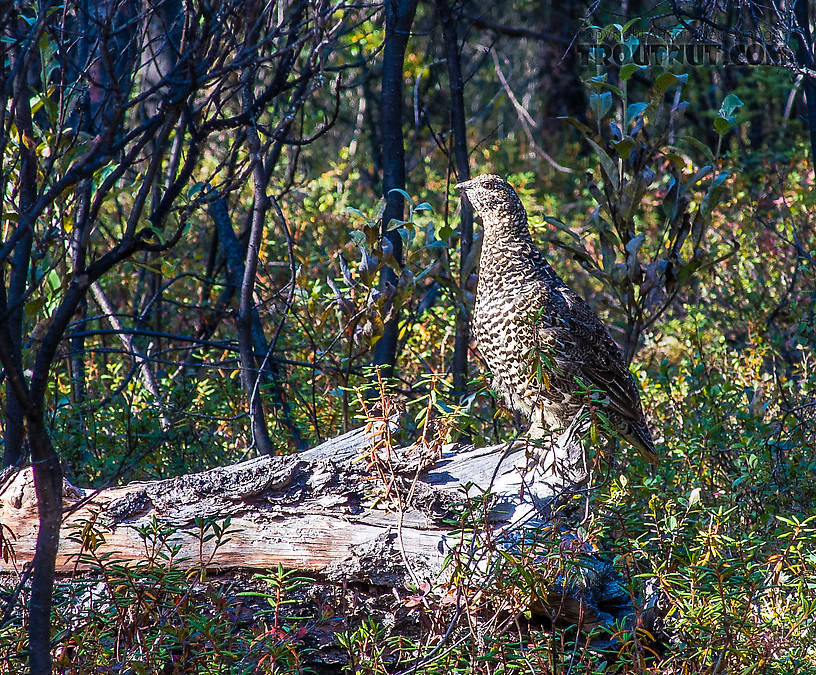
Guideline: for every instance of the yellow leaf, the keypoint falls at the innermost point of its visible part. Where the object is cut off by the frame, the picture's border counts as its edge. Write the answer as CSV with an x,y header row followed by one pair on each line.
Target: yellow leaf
x,y
325,315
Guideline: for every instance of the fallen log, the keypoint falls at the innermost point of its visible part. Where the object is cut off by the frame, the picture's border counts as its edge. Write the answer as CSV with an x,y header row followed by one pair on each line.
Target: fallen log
x,y
351,511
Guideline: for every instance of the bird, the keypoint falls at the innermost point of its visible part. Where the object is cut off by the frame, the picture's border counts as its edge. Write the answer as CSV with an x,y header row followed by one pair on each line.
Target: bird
x,y
544,345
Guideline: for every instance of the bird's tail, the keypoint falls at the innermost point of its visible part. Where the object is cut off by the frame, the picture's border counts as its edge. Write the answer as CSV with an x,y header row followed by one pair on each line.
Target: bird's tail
x,y
641,439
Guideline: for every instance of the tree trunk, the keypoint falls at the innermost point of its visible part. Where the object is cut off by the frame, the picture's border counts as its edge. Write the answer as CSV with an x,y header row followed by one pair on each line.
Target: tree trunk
x,y
235,271
47,479
806,60
18,277
399,16
460,154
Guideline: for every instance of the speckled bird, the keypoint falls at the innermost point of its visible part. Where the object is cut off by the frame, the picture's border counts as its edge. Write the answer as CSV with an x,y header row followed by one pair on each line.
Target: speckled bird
x,y
536,335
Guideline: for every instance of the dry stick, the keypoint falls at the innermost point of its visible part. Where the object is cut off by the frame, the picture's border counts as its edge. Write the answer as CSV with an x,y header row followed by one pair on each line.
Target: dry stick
x,y
12,314
141,360
250,331
261,173
403,505
563,442
290,297
290,252
525,118
437,652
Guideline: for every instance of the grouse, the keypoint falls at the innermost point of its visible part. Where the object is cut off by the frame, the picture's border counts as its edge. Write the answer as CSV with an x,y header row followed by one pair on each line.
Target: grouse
x,y
546,347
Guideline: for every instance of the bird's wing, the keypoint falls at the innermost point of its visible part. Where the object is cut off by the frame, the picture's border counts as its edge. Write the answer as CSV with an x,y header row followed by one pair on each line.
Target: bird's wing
x,y
597,359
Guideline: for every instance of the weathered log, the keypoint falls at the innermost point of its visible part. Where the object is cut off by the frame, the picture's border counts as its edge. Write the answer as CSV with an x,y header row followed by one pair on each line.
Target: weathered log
x,y
304,511
352,510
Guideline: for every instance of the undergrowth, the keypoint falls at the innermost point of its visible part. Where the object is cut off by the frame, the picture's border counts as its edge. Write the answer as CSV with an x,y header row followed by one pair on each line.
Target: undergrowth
x,y
716,546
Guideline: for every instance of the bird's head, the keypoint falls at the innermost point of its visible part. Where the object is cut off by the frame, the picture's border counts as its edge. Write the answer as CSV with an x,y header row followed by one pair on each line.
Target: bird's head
x,y
494,199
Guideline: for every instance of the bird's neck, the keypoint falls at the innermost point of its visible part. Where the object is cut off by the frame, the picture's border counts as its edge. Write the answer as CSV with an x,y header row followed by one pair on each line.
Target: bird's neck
x,y
508,239
507,252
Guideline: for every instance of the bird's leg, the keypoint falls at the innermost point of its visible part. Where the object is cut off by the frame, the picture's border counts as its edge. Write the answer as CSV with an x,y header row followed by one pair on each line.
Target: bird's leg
x,y
569,459
566,452
561,466
551,470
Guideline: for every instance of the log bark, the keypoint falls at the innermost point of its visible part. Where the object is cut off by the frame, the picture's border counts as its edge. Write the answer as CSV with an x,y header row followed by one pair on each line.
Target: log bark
x,y
349,511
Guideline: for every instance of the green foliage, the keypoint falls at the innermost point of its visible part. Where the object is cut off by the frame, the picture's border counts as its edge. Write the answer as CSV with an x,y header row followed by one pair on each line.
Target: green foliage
x,y
715,547
708,529
686,221
164,614
642,254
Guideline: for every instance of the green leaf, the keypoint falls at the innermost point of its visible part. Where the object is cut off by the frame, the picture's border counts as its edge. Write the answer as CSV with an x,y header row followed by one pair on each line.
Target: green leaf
x,y
697,177
358,238
634,244
36,103
600,104
402,192
356,212
628,70
715,193
54,281
723,125
633,110
194,189
378,212
394,223
623,147
583,128
666,80
608,165
562,226
35,306
630,45
579,252
729,105
702,147
676,159
599,82
629,24
669,205
406,234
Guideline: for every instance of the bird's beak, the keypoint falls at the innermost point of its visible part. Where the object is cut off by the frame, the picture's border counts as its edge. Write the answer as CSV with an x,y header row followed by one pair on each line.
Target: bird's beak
x,y
463,194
